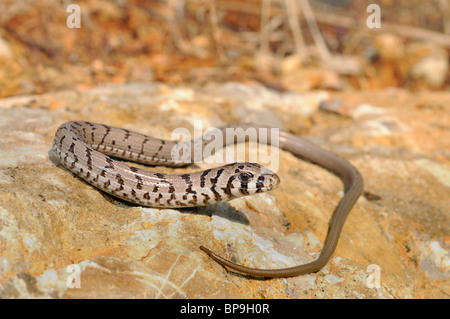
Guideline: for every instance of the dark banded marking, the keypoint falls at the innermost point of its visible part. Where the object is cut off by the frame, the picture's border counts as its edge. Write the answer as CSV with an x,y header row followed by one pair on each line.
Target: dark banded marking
x,y
172,197
227,192
89,158
216,179
108,130
227,189
71,148
206,198
189,190
186,178
230,182
244,188
178,203
75,160
260,184
188,181
110,163
160,148
217,196
119,179
193,201
203,177
142,146
158,199
127,134
140,182
61,141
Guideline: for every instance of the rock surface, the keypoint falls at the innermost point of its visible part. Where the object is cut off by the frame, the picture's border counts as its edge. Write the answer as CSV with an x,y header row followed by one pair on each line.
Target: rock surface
x,y
54,226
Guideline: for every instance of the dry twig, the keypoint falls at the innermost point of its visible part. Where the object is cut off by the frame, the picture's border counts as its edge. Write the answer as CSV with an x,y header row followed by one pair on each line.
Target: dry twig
x,y
293,18
317,36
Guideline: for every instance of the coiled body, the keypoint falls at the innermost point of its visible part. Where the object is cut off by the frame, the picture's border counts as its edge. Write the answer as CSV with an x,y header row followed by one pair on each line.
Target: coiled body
x,y
83,148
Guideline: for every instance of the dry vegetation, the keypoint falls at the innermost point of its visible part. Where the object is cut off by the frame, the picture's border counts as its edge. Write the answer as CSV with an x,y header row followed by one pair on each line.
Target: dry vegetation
x,y
284,44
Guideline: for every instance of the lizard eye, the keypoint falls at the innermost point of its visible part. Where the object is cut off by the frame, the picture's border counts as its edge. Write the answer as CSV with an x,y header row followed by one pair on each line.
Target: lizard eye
x,y
245,177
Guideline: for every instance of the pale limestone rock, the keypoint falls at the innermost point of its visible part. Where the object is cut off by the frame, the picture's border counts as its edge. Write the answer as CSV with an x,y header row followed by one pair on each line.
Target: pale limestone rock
x,y
53,225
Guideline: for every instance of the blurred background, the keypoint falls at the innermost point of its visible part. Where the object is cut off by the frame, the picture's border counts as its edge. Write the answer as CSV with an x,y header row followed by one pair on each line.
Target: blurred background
x,y
297,45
